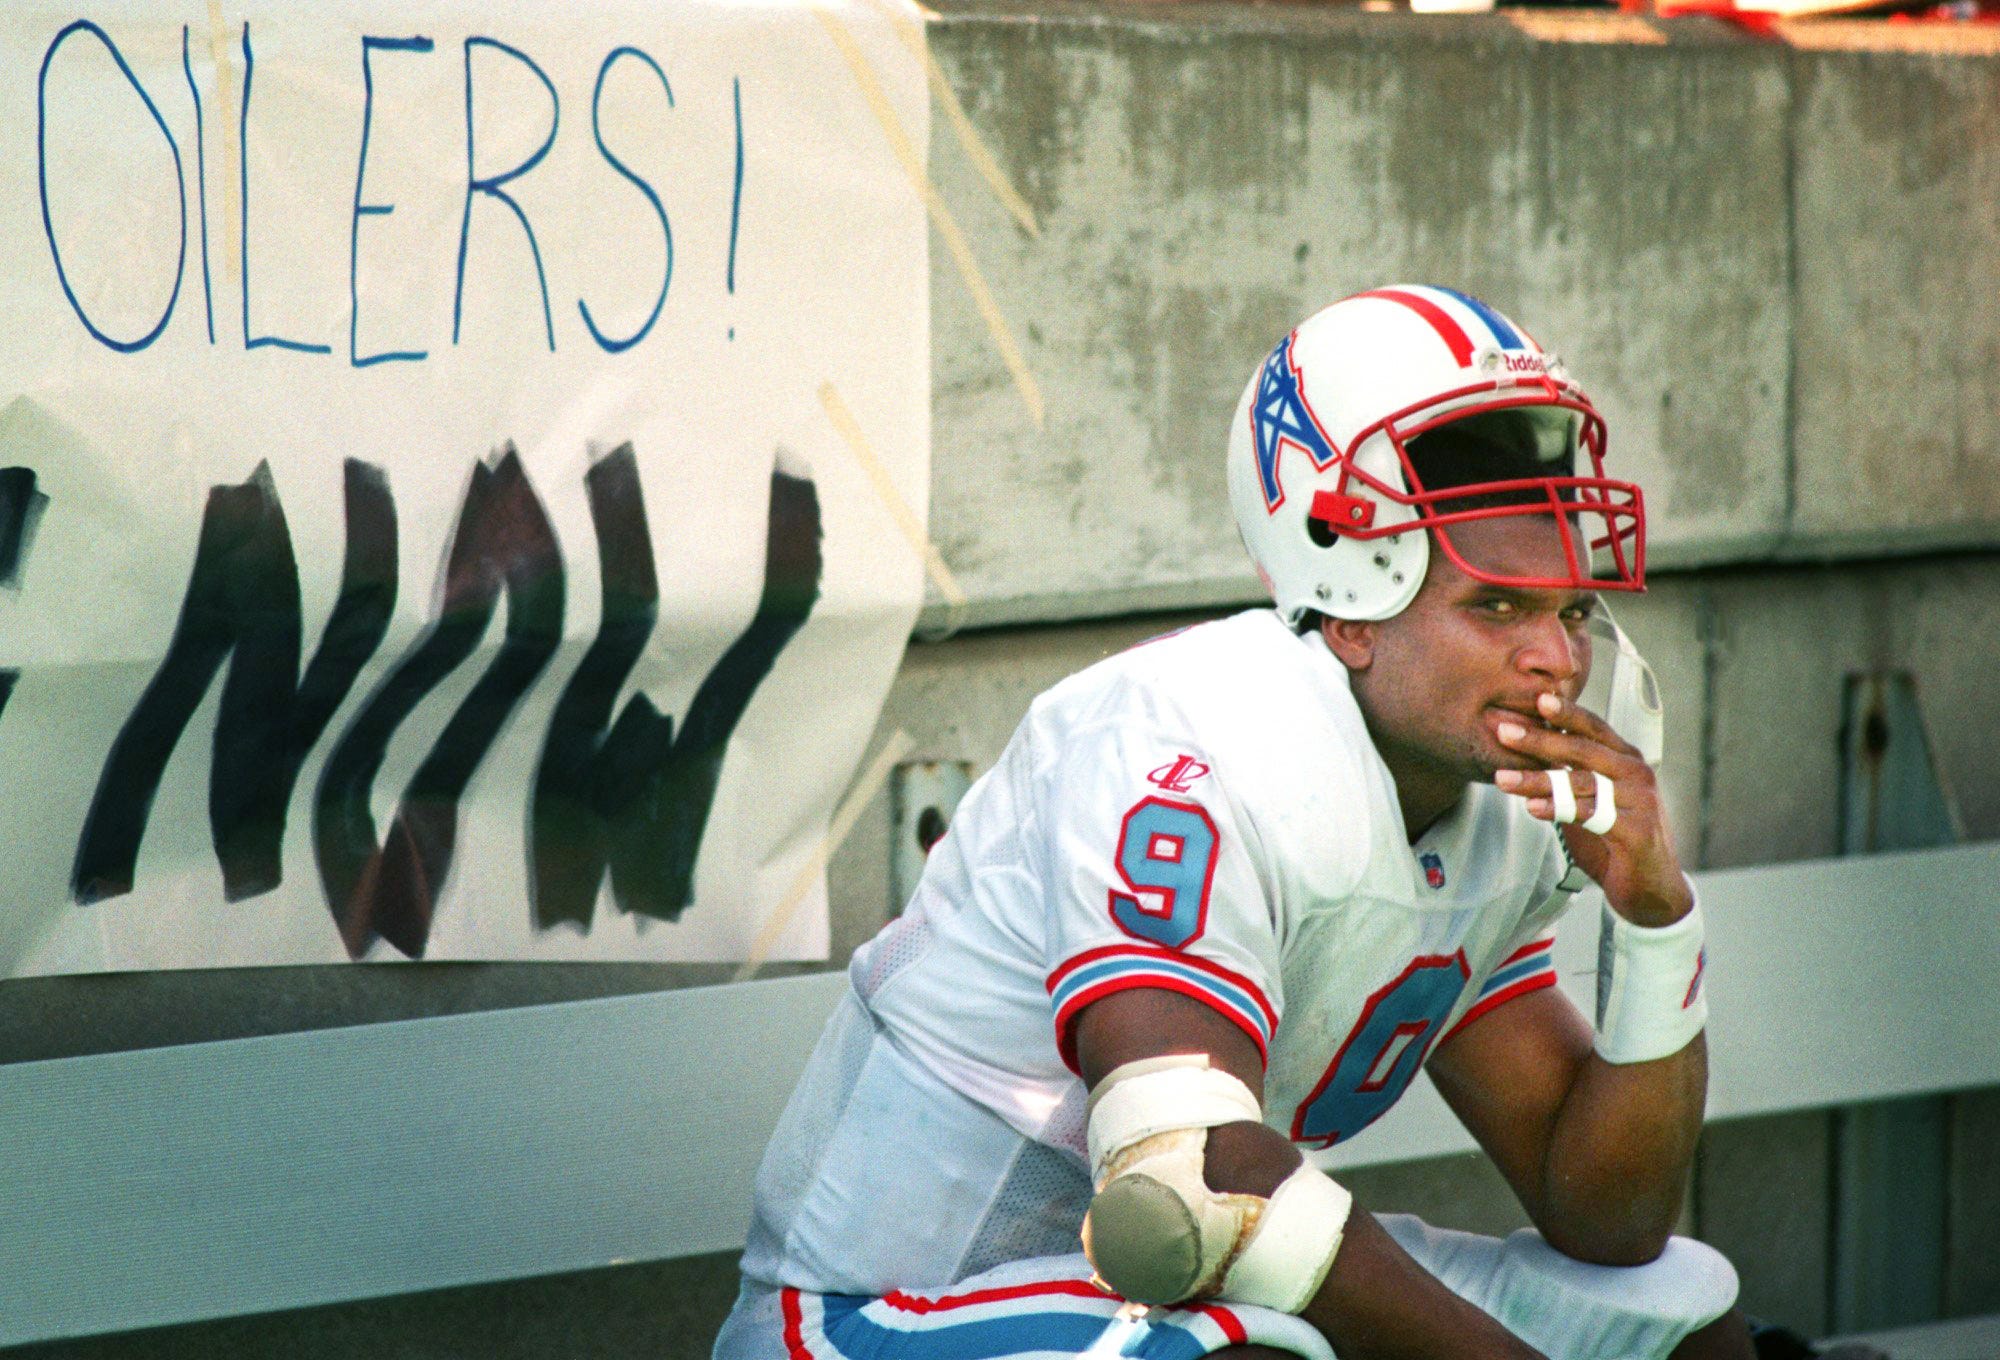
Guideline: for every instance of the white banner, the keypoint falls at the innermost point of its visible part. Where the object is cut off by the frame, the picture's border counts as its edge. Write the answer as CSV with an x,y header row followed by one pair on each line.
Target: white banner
x,y
422,529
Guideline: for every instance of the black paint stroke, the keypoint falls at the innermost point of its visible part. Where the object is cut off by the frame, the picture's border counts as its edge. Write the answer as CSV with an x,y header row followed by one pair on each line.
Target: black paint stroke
x,y
21,507
636,801
584,779
242,602
389,889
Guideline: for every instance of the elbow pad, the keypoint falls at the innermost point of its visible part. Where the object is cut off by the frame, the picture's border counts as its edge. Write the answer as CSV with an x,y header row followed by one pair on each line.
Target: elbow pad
x,y
1157,1234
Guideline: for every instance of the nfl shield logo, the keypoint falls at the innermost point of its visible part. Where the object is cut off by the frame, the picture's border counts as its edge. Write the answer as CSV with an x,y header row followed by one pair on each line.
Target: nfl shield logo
x,y
1433,868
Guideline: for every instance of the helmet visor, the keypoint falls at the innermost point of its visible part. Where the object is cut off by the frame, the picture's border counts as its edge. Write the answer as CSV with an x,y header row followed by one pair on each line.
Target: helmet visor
x,y
1622,689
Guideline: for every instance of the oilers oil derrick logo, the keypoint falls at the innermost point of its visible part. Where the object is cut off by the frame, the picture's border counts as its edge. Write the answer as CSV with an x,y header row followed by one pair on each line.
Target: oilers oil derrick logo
x,y
1433,868
1281,418
1178,775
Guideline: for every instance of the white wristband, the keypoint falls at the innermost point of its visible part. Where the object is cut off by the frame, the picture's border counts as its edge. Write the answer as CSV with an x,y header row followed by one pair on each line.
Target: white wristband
x,y
1650,1001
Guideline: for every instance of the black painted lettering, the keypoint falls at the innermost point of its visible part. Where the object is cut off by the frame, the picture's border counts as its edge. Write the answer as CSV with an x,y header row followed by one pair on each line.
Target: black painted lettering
x,y
242,602
388,888
636,801
585,781
21,506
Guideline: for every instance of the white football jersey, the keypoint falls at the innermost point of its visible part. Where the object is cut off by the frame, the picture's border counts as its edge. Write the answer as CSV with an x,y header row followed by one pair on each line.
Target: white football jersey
x,y
1204,813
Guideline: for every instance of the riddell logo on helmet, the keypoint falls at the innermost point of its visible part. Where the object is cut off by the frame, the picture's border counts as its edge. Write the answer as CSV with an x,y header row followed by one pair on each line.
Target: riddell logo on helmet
x,y
1524,363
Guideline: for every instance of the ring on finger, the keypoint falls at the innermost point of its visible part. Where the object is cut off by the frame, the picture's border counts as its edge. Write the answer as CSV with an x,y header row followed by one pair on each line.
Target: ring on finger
x,y
1604,816
1562,797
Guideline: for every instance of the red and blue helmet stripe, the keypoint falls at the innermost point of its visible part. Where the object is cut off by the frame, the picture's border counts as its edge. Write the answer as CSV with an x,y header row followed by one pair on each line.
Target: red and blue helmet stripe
x,y
1282,416
1463,322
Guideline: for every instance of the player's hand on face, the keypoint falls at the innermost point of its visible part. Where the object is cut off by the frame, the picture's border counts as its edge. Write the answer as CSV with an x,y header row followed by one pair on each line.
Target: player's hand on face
x,y
1634,860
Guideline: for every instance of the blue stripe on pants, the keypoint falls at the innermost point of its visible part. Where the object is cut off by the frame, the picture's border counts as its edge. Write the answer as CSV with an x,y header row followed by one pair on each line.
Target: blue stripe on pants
x,y
860,1337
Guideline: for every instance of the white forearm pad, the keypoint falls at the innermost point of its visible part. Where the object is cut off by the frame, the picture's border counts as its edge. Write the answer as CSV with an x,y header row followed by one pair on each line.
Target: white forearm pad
x,y
1649,987
1293,1244
1179,1091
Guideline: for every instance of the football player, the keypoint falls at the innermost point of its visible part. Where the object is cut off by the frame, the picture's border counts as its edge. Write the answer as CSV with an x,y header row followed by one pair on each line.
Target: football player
x,y
1225,894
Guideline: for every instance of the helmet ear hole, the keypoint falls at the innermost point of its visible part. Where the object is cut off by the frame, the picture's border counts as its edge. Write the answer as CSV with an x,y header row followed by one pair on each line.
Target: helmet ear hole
x,y
1320,532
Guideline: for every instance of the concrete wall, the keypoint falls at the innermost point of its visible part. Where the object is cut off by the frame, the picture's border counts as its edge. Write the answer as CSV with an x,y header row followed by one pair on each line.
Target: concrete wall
x,y
1205,177
1770,262
1762,260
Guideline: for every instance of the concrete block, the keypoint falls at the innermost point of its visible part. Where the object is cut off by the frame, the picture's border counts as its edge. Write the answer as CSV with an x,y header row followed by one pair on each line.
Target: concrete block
x,y
65,1017
1761,1199
1972,1261
1205,177
1944,614
660,1310
1898,332
1969,1337
1783,644
1889,1222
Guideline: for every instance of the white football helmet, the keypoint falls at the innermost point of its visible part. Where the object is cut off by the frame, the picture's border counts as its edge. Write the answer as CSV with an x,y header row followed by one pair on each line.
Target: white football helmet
x,y
1320,477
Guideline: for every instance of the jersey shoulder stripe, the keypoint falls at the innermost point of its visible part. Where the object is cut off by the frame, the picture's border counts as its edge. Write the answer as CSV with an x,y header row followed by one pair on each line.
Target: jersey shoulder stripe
x,y
1530,959
1528,969
1097,973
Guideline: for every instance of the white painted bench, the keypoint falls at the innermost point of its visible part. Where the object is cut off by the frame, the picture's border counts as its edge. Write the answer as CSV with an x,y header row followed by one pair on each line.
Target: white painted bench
x,y
167,1185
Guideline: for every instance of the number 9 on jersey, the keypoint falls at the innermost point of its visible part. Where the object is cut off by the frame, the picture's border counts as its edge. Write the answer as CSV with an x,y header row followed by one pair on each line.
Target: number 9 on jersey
x,y
1166,858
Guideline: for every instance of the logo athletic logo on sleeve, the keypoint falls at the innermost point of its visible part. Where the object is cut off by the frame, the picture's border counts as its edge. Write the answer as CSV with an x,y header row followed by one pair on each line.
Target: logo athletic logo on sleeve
x,y
1177,775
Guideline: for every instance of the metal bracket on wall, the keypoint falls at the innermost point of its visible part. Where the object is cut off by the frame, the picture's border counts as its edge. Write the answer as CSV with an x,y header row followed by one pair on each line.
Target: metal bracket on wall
x,y
1890,1158
922,796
